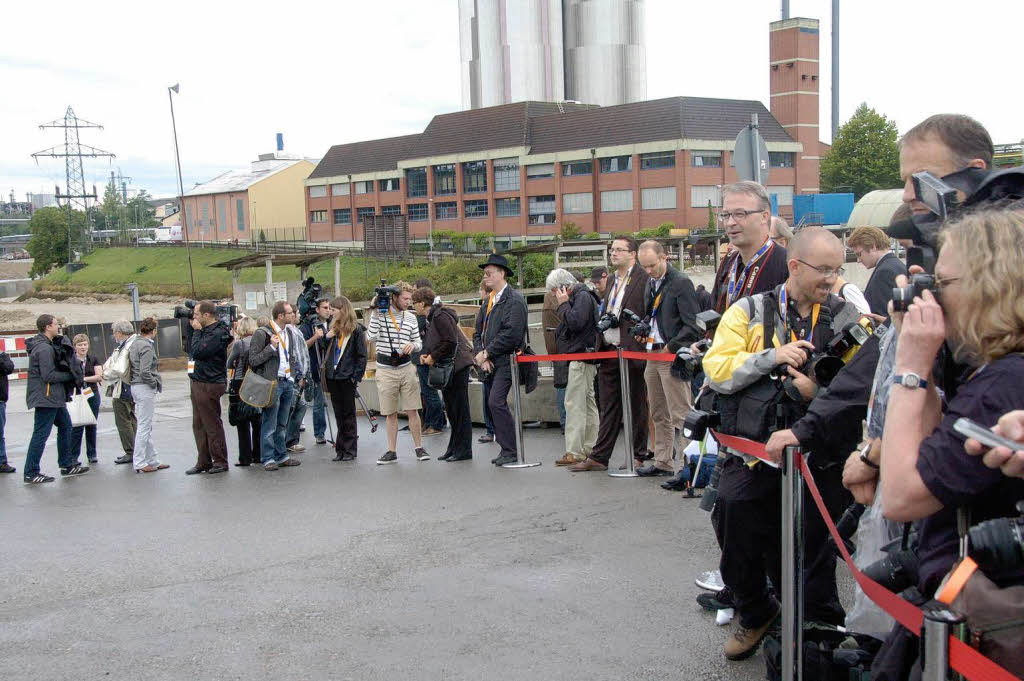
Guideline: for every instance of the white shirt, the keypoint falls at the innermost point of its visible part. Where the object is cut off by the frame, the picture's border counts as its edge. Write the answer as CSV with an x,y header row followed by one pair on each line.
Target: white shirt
x,y
615,298
655,333
284,368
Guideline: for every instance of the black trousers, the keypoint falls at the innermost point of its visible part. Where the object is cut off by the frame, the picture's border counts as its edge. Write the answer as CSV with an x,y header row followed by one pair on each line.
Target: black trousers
x,y
501,415
610,409
343,401
456,405
249,440
749,531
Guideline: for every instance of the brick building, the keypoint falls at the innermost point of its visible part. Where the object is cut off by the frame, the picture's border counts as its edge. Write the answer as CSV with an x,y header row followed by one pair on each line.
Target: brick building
x,y
526,168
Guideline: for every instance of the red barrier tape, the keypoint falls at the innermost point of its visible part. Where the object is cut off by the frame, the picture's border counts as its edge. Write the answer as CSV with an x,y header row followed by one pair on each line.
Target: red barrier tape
x,y
609,354
962,657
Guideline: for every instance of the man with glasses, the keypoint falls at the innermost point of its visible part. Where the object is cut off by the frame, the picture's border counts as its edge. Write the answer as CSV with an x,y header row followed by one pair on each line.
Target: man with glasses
x,y
798,318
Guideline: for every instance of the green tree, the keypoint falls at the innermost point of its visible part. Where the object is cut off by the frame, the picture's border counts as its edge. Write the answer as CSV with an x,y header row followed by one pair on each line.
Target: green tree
x,y
569,231
139,213
49,243
712,222
864,155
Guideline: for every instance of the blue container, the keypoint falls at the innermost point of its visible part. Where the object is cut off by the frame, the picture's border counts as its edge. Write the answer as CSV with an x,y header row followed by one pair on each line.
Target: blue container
x,y
834,209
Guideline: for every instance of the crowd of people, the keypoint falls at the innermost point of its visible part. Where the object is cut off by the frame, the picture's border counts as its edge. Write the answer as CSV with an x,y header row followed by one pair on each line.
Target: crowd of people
x,y
880,431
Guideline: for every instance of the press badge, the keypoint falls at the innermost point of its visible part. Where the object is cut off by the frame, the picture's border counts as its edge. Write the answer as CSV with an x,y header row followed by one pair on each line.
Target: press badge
x,y
231,374
191,366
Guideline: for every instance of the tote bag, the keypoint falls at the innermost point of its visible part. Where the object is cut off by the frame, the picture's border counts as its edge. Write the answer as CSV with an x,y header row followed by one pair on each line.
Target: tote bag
x,y
255,390
80,411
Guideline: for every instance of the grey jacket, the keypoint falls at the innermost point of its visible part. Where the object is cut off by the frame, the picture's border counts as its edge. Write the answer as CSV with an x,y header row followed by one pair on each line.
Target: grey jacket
x,y
47,387
143,363
264,358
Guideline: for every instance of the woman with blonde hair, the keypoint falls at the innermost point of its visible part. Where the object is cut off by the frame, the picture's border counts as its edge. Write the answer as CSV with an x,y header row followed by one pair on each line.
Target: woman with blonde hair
x,y
91,371
343,368
245,418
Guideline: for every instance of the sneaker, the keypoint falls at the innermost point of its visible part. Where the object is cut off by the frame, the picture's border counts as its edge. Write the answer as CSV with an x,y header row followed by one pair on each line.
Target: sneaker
x,y
486,437
744,642
302,429
421,454
389,457
321,440
716,600
711,580
7,468
74,470
297,448
38,478
270,466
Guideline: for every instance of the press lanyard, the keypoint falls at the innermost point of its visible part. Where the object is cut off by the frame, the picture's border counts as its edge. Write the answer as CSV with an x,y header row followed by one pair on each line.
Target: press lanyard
x,y
783,308
394,323
654,315
490,304
340,343
734,290
284,346
618,291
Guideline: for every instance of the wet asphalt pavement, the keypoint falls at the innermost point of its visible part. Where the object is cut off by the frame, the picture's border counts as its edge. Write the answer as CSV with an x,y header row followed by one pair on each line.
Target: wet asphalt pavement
x,y
349,570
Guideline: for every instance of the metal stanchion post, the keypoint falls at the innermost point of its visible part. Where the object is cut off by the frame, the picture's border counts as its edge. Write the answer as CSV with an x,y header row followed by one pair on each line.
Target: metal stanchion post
x,y
627,421
938,625
517,413
792,566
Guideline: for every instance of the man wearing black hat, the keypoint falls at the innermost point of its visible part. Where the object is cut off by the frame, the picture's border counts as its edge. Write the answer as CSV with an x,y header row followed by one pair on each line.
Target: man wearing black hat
x,y
500,331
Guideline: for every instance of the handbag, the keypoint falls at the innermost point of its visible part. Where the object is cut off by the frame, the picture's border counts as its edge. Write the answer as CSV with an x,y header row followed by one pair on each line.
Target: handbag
x,y
80,411
440,375
116,368
255,390
528,371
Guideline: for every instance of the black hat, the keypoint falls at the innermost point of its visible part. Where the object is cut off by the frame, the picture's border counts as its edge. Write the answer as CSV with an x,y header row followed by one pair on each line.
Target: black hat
x,y
598,273
498,261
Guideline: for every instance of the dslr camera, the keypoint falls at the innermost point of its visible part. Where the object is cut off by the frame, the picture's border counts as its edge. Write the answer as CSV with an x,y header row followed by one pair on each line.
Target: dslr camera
x,y
998,544
607,321
823,366
903,296
384,293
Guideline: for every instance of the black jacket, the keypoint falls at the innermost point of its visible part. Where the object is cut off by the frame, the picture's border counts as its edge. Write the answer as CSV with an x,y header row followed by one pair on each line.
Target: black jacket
x,y
444,339
577,322
883,279
505,329
352,363
210,351
320,346
50,377
677,311
6,367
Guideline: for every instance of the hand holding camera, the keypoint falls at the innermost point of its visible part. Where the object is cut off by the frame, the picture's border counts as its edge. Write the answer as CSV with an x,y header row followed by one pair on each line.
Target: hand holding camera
x,y
794,354
922,332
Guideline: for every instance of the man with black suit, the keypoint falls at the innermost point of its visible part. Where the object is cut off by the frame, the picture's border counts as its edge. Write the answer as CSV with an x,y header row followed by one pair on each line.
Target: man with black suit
x,y
500,331
625,291
670,305
874,250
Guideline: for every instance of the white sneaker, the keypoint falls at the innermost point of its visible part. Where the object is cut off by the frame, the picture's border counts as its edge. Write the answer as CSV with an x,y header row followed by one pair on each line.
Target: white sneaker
x,y
297,447
710,580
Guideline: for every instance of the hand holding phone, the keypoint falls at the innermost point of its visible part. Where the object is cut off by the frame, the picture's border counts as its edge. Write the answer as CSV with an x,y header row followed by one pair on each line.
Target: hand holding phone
x,y
1002,452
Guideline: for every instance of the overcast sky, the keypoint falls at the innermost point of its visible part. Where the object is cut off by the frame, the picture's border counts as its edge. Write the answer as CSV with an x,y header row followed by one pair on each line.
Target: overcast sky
x,y
325,73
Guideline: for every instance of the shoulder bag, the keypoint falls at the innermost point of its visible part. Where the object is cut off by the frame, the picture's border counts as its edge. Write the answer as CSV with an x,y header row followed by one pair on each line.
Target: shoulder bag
x,y
80,411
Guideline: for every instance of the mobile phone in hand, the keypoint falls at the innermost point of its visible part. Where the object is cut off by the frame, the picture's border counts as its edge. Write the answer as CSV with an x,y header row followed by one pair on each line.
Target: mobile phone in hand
x,y
969,428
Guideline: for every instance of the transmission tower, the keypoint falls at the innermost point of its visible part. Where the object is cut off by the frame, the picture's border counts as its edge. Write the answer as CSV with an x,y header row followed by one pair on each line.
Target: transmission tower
x,y
73,151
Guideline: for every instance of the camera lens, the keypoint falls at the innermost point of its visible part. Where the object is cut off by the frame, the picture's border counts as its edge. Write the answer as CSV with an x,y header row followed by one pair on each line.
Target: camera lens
x,y
997,544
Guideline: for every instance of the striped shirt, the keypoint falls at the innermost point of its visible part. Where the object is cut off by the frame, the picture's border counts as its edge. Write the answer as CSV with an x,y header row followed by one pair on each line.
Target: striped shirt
x,y
393,330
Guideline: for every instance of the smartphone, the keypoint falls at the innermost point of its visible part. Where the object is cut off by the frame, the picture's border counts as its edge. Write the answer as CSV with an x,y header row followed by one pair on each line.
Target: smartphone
x,y
969,428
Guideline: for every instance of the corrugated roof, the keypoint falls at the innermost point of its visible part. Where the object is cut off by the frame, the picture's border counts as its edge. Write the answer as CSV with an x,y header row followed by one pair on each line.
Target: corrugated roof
x,y
240,180
365,157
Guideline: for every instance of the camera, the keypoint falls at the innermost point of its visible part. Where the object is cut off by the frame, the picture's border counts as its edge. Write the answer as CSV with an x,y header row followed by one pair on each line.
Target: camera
x,y
607,321
185,311
384,294
641,328
898,571
697,422
311,292
227,314
997,545
903,296
686,364
707,321
710,496
823,366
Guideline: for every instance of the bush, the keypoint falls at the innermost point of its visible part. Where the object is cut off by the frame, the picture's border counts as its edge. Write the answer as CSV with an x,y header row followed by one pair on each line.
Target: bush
x,y
536,267
482,240
569,231
661,231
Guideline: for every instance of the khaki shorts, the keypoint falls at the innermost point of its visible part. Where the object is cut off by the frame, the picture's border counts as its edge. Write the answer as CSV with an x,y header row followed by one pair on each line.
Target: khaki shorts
x,y
394,384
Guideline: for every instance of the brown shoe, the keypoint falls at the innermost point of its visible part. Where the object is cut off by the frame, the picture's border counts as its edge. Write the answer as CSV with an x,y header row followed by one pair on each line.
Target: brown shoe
x,y
567,460
289,462
588,464
147,469
744,642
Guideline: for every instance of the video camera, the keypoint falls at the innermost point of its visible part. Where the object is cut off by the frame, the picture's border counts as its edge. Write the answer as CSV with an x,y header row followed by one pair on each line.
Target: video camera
x,y
227,313
185,311
903,296
311,292
384,294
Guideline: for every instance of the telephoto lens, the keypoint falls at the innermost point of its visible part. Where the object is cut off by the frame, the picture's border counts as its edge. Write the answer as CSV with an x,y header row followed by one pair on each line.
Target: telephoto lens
x,y
998,544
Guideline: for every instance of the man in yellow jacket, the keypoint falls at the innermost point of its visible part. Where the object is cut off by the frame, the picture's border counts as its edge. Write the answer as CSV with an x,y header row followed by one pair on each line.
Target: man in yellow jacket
x,y
804,317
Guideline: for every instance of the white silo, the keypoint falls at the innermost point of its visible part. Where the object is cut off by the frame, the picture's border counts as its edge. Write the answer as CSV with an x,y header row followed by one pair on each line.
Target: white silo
x,y
605,57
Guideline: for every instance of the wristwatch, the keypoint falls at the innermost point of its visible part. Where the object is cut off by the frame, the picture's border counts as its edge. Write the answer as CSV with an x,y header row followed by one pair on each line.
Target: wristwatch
x,y
909,380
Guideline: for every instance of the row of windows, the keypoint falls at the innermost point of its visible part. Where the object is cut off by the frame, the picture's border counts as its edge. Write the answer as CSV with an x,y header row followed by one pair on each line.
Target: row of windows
x,y
204,223
361,187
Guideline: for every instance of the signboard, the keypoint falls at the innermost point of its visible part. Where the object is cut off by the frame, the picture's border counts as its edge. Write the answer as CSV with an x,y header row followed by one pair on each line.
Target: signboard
x,y
751,154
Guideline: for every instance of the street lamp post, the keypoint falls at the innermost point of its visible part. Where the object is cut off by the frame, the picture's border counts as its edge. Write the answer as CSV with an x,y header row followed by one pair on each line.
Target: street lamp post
x,y
181,190
430,228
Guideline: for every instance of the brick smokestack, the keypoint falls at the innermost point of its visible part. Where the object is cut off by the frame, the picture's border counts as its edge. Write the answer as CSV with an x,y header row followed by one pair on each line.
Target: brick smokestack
x,y
793,84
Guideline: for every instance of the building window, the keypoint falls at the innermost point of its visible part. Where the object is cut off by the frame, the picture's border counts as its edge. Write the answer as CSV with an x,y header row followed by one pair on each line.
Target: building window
x,y
475,209
390,210
616,164
658,159
506,175
474,177
538,170
616,200
577,168
389,185
658,198
364,187
416,182
706,159
340,189
222,220
542,210
444,179
701,195
506,208
783,193
418,212
318,216
205,220
318,191
578,203
343,216
240,210
364,212
781,159
446,210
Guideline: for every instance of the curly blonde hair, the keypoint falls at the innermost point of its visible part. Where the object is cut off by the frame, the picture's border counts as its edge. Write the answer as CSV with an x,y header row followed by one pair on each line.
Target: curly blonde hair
x,y
991,247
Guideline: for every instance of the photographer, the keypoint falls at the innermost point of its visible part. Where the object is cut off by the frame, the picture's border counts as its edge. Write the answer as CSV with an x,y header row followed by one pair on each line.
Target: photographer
x,y
798,318
625,291
314,329
397,336
670,305
928,477
576,332
207,371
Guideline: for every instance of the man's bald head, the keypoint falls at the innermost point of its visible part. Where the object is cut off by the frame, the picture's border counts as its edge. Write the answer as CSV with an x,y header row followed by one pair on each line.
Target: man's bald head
x,y
812,239
816,257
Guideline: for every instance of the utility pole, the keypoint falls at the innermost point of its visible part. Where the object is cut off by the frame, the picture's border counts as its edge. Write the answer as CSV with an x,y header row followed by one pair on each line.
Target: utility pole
x,y
73,151
181,190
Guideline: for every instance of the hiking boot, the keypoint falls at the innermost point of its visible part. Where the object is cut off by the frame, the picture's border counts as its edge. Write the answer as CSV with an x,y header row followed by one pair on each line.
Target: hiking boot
x,y
744,642
389,457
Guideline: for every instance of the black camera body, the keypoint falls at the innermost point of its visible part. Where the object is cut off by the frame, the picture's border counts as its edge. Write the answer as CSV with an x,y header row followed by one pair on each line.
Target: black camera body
x,y
607,321
899,570
697,422
997,545
642,328
384,294
824,365
311,292
707,321
903,296
186,311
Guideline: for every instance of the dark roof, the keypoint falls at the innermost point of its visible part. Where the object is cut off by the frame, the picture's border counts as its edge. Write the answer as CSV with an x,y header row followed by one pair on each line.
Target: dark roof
x,y
652,121
364,157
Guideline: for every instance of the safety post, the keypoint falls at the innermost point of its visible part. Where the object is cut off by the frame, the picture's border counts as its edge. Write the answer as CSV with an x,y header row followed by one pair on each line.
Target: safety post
x,y
627,421
939,623
517,413
792,566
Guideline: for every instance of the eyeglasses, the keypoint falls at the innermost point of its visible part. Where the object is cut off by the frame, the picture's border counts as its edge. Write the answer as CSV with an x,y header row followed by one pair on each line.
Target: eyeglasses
x,y
621,250
738,214
824,271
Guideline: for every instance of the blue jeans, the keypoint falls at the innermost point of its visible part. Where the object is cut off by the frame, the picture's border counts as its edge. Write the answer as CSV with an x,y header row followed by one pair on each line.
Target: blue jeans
x,y
297,412
3,427
560,399
433,409
488,424
275,423
90,431
45,419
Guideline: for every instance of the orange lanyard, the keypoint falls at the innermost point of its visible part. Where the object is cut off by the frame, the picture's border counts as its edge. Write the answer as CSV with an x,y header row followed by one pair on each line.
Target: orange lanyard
x,y
394,323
